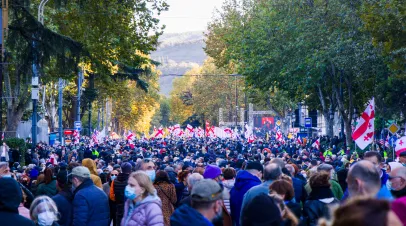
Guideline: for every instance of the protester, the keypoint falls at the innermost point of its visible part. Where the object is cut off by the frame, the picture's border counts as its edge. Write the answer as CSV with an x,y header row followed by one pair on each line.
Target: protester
x,y
272,172
288,218
117,192
182,187
63,199
363,180
90,164
44,212
376,159
228,182
192,179
206,205
10,199
167,194
262,210
143,206
365,212
90,204
285,190
4,170
48,186
320,199
4,155
244,180
397,179
335,186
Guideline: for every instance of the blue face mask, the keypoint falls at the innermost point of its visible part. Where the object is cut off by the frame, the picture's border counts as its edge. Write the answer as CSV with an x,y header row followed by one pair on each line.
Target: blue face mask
x,y
7,176
130,193
151,174
113,177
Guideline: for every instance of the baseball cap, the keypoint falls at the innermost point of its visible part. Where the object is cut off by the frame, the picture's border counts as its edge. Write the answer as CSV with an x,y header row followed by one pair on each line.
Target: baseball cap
x,y
206,190
81,171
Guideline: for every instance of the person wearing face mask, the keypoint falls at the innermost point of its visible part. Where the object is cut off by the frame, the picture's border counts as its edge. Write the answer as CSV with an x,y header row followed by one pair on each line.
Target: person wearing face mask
x,y
44,212
143,206
117,189
90,204
397,180
206,205
63,199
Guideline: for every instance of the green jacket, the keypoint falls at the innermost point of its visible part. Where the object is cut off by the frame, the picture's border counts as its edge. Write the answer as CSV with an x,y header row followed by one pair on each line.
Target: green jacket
x,y
47,189
327,152
335,188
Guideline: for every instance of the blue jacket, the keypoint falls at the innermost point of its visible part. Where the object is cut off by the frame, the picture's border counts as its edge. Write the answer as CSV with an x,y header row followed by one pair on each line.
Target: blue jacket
x,y
63,201
243,182
186,215
90,205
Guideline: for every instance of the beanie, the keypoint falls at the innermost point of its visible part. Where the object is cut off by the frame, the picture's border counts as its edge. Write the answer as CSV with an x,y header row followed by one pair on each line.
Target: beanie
x,y
126,168
211,172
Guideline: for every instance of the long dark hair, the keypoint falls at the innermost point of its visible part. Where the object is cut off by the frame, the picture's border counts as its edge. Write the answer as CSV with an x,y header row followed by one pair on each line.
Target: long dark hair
x,y
48,175
161,177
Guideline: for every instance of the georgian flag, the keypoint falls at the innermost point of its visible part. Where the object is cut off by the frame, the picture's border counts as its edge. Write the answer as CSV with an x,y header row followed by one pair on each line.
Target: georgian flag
x,y
316,144
400,145
279,136
363,134
130,136
387,141
159,133
76,136
94,136
299,140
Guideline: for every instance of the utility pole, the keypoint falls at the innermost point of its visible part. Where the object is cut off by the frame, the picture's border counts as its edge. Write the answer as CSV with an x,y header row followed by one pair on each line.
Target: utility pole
x,y
3,30
78,95
60,98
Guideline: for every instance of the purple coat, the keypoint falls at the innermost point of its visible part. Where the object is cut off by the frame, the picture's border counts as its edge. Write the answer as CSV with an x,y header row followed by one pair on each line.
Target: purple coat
x,y
148,212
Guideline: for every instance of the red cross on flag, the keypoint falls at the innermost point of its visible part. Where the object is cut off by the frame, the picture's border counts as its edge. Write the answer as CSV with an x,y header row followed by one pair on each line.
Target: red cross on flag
x,y
363,134
279,136
316,144
400,145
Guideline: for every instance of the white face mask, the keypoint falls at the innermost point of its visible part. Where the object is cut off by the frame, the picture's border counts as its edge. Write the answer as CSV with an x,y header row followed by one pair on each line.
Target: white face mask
x,y
46,218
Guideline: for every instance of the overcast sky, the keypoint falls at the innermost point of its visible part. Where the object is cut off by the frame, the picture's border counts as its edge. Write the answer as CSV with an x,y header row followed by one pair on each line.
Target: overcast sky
x,y
188,15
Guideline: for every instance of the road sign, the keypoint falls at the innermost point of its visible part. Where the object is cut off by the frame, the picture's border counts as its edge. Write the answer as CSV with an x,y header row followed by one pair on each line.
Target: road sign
x,y
393,128
308,122
78,125
278,123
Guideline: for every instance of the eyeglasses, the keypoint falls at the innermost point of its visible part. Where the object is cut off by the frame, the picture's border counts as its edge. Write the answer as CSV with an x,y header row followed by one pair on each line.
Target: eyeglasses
x,y
113,174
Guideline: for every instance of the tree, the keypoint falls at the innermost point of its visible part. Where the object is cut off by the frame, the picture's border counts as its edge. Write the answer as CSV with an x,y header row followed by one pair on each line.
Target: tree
x,y
312,50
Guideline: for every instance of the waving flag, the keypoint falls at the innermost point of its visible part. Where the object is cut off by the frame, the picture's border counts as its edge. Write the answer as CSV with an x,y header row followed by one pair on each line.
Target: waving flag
x,y
94,136
363,134
130,136
76,136
316,144
400,145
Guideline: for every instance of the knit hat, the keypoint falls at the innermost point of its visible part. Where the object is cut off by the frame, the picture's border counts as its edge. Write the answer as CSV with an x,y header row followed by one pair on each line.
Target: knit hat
x,y
126,168
262,210
255,165
211,172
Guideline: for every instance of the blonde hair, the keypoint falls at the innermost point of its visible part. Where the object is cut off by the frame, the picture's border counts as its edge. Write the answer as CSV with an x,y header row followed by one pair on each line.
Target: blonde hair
x,y
41,204
144,181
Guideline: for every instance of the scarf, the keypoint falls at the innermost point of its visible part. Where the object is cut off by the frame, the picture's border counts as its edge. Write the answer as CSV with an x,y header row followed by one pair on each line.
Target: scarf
x,y
320,193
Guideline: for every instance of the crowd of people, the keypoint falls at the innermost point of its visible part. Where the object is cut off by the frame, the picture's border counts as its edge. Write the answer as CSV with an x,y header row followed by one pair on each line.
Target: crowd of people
x,y
197,181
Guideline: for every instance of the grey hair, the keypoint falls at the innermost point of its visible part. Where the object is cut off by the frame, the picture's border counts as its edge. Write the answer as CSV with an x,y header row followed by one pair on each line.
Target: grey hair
x,y
193,178
324,167
366,172
272,172
49,205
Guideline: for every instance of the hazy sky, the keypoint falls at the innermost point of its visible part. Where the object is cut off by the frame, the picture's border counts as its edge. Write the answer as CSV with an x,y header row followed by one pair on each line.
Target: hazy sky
x,y
188,15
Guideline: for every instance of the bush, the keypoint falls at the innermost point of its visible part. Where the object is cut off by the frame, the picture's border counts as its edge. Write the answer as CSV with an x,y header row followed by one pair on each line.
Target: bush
x,y
15,143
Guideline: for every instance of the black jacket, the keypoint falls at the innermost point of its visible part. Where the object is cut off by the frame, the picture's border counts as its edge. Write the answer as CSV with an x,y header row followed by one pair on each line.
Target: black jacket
x,y
313,210
10,198
119,186
63,201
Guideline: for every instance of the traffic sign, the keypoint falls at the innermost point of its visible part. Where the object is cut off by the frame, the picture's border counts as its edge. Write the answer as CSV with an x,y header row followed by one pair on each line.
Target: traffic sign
x,y
308,122
78,125
393,128
278,123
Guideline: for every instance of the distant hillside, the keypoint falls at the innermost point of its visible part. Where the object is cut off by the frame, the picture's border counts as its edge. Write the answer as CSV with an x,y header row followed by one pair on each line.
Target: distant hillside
x,y
178,53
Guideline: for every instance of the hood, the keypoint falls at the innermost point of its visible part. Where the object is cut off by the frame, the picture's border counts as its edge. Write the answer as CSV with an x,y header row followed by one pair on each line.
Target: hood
x,y
150,198
229,184
89,163
122,177
243,178
186,214
10,195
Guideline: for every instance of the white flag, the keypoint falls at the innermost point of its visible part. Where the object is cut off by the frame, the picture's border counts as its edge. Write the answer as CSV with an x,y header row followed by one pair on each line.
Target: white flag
x,y
363,134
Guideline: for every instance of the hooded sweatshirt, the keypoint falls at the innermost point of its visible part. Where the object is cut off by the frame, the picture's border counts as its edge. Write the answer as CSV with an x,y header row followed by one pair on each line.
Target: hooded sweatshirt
x,y
89,163
243,182
10,198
